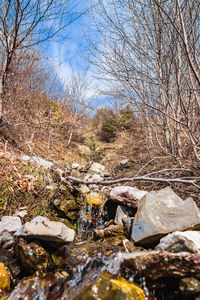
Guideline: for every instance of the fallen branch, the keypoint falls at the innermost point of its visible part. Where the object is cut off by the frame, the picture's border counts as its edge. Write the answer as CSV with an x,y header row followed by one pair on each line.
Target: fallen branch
x,y
140,178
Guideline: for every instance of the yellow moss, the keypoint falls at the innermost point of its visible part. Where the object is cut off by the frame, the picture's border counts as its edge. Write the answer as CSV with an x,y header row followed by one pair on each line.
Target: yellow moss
x,y
130,288
95,199
4,278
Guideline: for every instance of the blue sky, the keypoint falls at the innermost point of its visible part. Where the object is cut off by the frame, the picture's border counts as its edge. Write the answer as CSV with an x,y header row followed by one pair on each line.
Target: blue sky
x,y
67,52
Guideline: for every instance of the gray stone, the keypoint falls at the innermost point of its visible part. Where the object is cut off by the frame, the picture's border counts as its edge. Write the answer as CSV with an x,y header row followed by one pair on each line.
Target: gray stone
x,y
178,241
121,213
49,231
162,212
38,160
84,189
10,224
116,191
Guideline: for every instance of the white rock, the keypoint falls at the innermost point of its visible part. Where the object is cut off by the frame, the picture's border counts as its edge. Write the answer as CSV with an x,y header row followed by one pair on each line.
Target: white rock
x,y
84,189
76,166
38,160
49,231
162,212
39,219
138,194
10,224
97,168
180,241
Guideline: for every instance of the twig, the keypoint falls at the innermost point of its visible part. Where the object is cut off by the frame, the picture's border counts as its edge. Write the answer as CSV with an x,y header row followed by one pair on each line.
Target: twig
x,y
108,182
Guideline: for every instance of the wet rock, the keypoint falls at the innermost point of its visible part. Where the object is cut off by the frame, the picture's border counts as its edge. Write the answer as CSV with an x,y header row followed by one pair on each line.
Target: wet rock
x,y
110,231
108,288
188,241
128,223
50,287
163,212
161,264
189,286
68,202
32,256
4,278
121,212
49,231
95,199
10,224
9,259
6,240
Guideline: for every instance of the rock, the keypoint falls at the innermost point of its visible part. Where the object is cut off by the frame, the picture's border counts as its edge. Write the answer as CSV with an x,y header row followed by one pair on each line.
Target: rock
x,y
39,219
68,202
21,213
84,189
57,174
160,264
189,286
32,256
97,168
50,287
50,231
38,160
107,288
128,223
162,212
110,231
136,193
93,177
76,166
121,212
124,162
6,240
4,278
95,199
188,241
10,224
84,150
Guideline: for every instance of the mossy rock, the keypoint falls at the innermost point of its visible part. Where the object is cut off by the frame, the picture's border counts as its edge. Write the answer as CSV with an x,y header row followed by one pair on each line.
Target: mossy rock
x,y
108,288
67,202
4,278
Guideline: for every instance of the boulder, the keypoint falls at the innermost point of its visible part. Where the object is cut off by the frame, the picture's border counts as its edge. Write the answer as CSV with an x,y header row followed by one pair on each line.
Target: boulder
x,y
188,241
162,212
160,264
121,212
10,224
6,240
50,231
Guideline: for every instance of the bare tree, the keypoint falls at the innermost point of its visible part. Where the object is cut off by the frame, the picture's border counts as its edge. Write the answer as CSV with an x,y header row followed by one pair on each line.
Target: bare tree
x,y
149,52
24,23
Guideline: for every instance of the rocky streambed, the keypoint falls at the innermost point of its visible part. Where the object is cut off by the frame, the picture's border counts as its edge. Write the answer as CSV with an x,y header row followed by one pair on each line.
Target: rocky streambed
x,y
108,243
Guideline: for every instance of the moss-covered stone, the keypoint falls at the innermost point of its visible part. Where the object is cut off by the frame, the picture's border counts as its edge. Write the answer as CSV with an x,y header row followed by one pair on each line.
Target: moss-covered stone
x,y
95,199
68,202
107,288
4,278
32,256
